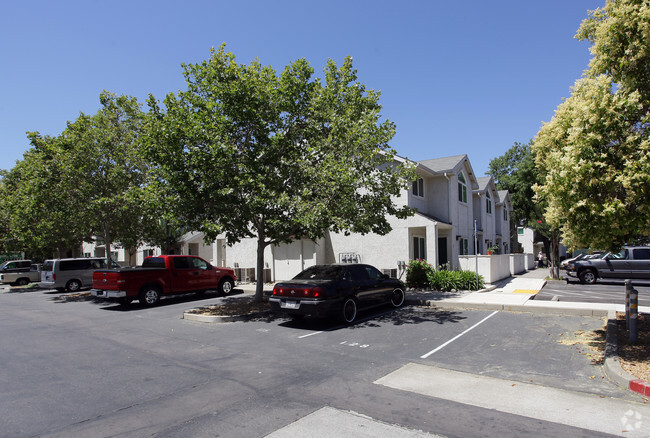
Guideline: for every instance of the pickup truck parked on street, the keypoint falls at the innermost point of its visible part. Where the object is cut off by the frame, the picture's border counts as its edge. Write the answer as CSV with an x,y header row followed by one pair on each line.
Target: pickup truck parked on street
x,y
631,263
161,275
21,277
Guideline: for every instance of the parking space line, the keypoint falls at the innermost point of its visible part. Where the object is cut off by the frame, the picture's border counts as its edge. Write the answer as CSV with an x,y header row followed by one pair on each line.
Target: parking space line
x,y
458,336
310,334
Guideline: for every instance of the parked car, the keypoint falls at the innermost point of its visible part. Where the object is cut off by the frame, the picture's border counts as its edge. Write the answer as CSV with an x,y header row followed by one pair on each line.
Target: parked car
x,y
162,275
71,274
630,263
22,278
336,291
582,256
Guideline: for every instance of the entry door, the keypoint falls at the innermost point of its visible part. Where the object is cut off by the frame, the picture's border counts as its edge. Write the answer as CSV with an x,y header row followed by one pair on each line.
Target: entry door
x,y
442,251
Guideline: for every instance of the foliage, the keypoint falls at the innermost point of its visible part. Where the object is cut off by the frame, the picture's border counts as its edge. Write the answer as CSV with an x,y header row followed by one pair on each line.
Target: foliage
x,y
249,153
43,211
595,152
417,273
448,280
83,183
515,172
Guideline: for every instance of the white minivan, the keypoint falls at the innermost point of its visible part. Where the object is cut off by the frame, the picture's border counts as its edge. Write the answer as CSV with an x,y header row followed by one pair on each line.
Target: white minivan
x,y
71,274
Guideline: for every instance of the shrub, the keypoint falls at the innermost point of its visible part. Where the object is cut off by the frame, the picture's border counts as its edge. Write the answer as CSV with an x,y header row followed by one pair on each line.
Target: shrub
x,y
469,281
417,273
445,280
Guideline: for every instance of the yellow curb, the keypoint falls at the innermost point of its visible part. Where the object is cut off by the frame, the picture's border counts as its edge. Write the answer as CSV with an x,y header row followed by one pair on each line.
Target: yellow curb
x,y
525,291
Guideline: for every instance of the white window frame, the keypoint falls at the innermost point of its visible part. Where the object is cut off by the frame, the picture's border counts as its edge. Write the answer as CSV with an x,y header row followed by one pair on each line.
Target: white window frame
x,y
488,203
418,188
462,188
464,246
419,248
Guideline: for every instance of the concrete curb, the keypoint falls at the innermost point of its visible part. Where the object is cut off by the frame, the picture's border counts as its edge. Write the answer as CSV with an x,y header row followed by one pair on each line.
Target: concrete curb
x,y
612,366
214,319
576,311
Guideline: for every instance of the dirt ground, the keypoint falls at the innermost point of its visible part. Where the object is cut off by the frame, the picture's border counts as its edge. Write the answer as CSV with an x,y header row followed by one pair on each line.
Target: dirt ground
x,y
635,358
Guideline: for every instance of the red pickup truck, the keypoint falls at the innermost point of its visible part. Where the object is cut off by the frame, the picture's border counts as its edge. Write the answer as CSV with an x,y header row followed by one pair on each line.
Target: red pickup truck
x,y
161,275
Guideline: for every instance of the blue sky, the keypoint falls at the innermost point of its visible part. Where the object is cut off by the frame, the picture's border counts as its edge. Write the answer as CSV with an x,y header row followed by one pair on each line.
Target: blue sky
x,y
470,77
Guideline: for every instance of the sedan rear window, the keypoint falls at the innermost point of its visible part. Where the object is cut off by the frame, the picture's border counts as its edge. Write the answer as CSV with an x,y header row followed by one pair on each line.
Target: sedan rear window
x,y
327,272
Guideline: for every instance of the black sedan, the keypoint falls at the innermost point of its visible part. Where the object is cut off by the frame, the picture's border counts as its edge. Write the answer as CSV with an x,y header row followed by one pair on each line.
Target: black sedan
x,y
336,290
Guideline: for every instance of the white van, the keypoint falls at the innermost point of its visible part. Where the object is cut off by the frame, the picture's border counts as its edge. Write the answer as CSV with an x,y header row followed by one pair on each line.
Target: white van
x,y
71,274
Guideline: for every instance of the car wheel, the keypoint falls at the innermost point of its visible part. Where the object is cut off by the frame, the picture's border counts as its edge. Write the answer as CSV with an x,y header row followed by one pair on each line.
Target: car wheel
x,y
22,282
398,298
588,276
149,296
348,310
73,286
226,286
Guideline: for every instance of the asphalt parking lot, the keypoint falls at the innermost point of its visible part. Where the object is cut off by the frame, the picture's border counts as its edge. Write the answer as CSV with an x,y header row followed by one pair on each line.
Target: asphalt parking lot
x,y
610,291
74,366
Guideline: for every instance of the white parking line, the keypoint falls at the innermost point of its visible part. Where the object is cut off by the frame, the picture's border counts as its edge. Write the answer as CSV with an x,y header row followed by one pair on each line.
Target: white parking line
x,y
456,337
311,334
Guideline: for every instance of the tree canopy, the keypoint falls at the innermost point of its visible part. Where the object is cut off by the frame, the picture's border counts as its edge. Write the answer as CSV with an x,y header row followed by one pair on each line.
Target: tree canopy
x,y
87,182
594,154
250,153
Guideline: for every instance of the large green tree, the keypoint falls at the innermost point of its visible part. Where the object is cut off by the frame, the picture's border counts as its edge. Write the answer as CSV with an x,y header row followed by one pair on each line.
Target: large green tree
x,y
44,216
251,153
515,172
594,154
87,182
106,171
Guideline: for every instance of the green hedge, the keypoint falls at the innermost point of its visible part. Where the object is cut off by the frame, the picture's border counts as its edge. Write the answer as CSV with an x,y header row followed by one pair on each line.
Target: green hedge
x,y
420,274
445,280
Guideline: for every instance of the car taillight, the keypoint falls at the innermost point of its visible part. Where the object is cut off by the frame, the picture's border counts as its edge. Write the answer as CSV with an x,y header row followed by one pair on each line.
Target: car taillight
x,y
298,292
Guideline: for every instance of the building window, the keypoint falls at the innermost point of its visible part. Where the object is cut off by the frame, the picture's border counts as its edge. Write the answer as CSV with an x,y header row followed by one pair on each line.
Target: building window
x,y
520,231
419,248
147,252
488,203
505,214
462,188
418,187
464,246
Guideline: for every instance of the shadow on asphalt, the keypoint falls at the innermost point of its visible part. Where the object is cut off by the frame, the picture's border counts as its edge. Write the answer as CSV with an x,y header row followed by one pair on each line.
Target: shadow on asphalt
x,y
375,317
23,289
85,296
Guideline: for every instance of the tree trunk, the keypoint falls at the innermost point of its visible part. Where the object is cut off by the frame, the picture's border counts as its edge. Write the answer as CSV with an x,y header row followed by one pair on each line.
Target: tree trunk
x,y
259,287
555,254
107,244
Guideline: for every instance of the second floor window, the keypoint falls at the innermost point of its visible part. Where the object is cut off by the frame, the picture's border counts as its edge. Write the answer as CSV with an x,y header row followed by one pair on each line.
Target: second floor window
x,y
505,214
418,187
464,246
488,203
462,188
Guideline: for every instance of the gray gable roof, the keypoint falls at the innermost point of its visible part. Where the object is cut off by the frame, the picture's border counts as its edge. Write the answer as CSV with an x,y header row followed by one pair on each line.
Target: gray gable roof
x,y
503,194
443,165
483,182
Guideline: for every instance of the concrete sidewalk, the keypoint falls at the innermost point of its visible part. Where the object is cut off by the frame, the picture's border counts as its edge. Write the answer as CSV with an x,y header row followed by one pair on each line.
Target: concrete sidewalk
x,y
515,293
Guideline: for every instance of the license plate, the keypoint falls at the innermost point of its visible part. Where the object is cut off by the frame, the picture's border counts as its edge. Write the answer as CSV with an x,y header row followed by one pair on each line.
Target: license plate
x,y
290,305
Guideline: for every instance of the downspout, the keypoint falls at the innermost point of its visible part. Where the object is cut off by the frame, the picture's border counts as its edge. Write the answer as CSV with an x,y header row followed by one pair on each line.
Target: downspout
x,y
448,197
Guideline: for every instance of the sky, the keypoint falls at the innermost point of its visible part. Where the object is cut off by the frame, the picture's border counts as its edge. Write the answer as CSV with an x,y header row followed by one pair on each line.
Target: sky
x,y
456,77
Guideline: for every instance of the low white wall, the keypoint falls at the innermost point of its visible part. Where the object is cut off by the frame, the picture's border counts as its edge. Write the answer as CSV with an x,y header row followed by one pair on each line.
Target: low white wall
x,y
529,259
517,263
497,267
